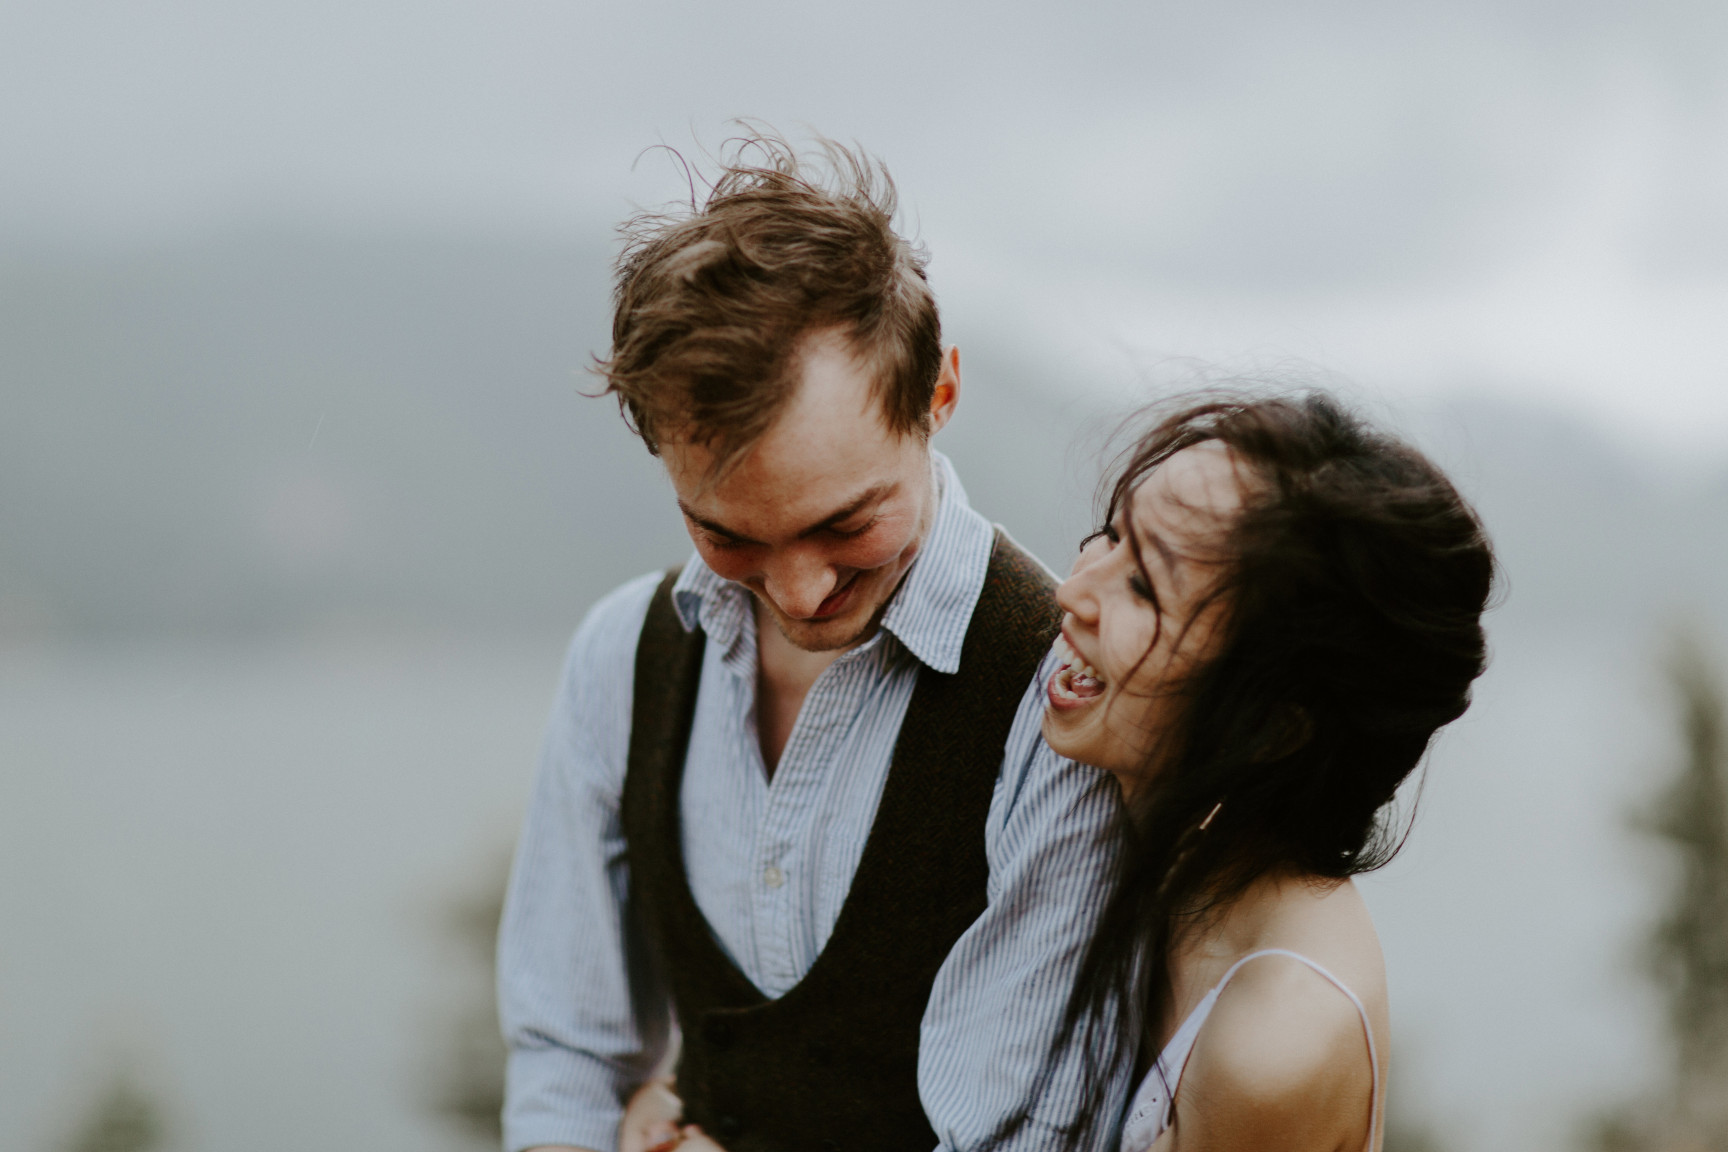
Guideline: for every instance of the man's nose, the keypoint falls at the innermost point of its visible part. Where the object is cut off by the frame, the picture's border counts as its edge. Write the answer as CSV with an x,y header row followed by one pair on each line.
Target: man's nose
x,y
798,580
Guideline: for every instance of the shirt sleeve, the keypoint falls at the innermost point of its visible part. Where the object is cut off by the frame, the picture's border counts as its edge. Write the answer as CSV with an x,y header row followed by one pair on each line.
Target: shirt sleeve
x,y
999,997
583,1021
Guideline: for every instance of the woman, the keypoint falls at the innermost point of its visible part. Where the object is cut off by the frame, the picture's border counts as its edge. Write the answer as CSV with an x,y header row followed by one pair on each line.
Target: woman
x,y
1281,609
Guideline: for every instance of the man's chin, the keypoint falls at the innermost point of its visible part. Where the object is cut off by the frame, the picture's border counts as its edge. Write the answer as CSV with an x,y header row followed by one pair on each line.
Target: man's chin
x,y
842,630
825,635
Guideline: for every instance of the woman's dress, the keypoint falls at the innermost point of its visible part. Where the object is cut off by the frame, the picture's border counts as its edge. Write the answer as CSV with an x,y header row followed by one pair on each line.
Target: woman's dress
x,y
1149,1111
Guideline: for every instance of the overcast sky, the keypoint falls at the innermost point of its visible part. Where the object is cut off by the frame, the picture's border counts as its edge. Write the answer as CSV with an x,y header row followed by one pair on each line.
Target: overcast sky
x,y
1523,196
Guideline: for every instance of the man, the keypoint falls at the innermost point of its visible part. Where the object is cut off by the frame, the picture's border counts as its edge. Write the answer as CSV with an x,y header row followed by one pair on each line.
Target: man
x,y
795,792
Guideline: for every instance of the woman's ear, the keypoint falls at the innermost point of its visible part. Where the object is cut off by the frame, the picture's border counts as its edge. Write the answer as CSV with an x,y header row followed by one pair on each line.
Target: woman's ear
x,y
1287,730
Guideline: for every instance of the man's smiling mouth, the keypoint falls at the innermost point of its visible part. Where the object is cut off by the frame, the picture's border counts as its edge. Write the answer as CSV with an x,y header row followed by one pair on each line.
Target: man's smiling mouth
x,y
836,600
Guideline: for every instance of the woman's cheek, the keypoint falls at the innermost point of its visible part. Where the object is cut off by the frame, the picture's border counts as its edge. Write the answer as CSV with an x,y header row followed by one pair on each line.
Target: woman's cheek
x,y
1135,658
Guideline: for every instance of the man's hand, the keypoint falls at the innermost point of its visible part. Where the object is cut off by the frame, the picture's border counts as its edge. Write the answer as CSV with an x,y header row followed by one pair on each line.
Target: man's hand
x,y
693,1139
651,1118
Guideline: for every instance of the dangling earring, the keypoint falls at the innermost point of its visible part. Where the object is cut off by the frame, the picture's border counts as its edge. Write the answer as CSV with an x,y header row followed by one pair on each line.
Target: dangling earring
x,y
1185,846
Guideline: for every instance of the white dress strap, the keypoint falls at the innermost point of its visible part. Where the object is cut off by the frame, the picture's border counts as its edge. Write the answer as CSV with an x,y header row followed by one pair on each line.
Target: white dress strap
x,y
1361,1010
1150,1110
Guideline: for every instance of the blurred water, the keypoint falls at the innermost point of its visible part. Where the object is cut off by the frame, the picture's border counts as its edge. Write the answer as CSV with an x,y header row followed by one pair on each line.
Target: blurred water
x,y
231,863
233,866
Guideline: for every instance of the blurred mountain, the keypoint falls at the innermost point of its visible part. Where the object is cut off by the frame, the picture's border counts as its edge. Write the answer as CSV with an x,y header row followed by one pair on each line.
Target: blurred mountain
x,y
279,429
1587,537
266,429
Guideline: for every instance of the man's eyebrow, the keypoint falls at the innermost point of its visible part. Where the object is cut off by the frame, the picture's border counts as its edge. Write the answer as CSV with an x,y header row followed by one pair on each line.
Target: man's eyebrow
x,y
713,526
863,500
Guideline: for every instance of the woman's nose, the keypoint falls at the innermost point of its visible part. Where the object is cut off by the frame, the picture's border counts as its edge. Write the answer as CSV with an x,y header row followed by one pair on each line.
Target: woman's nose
x,y
1074,597
1072,594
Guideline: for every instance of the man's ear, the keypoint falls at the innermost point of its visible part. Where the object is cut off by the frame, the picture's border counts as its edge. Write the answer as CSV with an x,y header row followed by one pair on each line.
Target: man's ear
x,y
947,392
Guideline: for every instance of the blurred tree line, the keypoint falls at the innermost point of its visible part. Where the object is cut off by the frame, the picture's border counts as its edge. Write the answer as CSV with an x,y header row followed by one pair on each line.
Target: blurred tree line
x,y
1687,952
124,1118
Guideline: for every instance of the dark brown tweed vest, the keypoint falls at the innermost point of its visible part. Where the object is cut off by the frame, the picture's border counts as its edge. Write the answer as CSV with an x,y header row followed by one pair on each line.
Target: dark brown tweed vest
x,y
833,1063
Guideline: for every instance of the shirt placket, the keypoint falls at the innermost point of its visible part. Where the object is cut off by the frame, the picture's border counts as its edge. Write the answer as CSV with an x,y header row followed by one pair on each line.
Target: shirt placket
x,y
728,619
787,861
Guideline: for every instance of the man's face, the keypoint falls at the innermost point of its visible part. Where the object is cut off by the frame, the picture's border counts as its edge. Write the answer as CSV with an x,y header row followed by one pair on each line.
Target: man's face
x,y
823,516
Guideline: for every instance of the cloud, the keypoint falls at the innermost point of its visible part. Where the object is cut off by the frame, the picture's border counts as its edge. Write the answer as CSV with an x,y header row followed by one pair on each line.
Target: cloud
x,y
1534,194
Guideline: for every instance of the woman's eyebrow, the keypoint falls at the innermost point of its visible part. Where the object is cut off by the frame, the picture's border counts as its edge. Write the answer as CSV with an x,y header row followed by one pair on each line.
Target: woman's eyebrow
x,y
1165,554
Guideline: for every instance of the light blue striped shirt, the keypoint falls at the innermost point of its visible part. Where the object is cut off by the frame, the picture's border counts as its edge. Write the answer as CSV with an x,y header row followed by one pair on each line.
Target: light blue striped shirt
x,y
770,859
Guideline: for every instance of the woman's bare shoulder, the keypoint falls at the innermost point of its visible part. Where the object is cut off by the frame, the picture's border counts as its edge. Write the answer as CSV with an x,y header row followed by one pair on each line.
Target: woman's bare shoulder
x,y
1283,1062
1280,1026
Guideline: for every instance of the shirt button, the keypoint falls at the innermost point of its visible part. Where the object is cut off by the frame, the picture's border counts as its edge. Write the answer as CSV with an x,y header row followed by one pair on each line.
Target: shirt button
x,y
773,877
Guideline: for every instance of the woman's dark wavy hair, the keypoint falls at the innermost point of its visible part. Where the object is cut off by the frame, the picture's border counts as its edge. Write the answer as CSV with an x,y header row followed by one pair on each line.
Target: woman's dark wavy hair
x,y
1350,631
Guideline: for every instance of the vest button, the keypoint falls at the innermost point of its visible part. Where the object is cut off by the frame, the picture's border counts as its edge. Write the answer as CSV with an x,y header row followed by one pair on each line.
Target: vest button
x,y
718,1032
729,1127
822,1055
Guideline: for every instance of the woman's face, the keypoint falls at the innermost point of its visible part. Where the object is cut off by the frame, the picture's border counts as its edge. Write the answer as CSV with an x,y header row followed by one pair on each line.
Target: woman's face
x,y
1131,628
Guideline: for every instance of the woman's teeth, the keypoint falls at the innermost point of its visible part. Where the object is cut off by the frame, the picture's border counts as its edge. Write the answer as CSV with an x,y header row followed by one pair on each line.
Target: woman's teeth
x,y
1075,679
1071,660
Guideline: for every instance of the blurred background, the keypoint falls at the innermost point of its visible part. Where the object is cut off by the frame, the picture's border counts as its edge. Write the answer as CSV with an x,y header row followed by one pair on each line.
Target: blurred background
x,y
300,498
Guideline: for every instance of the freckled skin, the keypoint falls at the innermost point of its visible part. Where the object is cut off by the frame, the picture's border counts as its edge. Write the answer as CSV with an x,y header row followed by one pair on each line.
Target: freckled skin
x,y
820,582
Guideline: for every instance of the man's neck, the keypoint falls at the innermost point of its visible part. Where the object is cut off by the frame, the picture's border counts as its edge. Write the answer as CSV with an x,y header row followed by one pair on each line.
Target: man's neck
x,y
784,675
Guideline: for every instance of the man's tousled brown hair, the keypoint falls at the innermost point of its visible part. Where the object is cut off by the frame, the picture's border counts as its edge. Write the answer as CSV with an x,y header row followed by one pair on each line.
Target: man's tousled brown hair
x,y
711,301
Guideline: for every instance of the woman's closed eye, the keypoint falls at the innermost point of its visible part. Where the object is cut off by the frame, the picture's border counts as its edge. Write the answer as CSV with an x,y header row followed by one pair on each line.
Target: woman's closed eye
x,y
1107,531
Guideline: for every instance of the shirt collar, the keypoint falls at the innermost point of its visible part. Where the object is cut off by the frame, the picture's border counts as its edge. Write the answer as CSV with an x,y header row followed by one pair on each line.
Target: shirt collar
x,y
928,615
